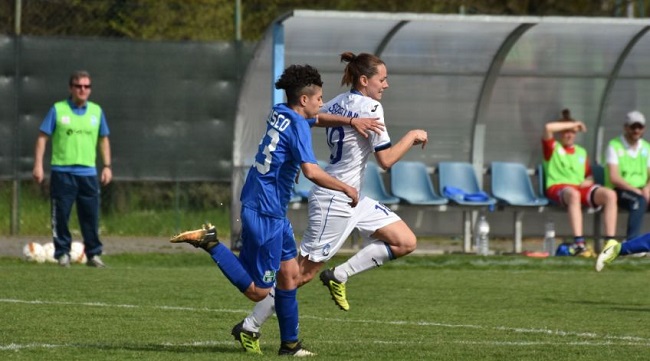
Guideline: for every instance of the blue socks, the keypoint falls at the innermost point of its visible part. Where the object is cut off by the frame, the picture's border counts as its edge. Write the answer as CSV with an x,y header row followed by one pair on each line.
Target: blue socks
x,y
231,267
579,241
286,308
638,244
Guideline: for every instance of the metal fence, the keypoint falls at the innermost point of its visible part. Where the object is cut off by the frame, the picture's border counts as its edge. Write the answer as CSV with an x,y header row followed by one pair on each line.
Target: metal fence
x,y
170,105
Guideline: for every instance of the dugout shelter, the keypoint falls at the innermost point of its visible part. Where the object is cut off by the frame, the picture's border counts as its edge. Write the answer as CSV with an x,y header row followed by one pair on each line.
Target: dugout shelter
x,y
481,86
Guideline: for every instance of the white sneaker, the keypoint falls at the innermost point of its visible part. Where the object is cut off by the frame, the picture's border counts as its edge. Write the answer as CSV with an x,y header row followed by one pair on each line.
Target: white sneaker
x,y
95,261
609,253
296,351
64,261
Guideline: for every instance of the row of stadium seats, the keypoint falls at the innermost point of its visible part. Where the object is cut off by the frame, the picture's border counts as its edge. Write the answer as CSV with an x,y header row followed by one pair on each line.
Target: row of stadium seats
x,y
456,185
411,184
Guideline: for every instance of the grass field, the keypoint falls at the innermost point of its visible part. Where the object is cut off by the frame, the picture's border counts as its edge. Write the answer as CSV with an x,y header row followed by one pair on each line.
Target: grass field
x,y
453,307
156,215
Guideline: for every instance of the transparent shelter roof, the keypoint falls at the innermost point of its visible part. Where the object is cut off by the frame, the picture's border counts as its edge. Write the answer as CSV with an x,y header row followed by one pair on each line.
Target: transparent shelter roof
x,y
481,86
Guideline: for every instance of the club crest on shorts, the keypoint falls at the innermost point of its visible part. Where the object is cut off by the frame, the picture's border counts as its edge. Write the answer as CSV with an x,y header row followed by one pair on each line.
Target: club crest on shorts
x,y
326,250
269,276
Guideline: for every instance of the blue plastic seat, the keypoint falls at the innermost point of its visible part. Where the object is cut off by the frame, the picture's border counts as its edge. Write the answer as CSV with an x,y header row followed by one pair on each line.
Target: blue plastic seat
x,y
410,182
458,183
511,185
598,171
541,180
373,185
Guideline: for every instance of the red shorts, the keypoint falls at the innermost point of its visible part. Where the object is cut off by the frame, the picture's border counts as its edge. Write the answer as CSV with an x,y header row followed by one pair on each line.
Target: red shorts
x,y
554,193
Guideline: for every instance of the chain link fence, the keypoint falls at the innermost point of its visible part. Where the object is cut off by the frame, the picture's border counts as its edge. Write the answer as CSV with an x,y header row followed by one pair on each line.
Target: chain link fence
x,y
139,204
170,98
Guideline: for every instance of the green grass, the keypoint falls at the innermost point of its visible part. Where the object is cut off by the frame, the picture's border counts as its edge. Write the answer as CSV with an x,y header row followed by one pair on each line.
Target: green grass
x,y
180,307
139,218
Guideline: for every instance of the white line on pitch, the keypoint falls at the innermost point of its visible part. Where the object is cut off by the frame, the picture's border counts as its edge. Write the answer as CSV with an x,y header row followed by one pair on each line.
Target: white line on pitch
x,y
561,333
17,347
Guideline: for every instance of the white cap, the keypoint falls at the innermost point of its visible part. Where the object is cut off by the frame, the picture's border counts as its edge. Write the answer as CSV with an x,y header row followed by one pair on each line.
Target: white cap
x,y
635,117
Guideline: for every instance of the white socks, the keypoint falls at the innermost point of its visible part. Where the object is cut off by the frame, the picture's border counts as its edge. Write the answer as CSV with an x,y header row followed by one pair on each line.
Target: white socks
x,y
371,256
261,312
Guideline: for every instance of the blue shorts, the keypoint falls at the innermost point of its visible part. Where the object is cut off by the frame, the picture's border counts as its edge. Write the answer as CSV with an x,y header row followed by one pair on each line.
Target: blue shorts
x,y
266,241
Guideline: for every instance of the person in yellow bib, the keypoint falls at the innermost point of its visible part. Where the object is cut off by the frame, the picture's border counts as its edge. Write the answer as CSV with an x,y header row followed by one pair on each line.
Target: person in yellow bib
x,y
569,180
628,171
77,127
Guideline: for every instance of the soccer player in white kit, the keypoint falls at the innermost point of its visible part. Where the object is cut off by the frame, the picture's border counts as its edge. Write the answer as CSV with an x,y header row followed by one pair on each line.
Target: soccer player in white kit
x,y
331,219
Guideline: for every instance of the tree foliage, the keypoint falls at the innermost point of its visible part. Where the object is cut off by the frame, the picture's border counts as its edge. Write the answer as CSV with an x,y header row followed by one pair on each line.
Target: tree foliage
x,y
215,19
175,20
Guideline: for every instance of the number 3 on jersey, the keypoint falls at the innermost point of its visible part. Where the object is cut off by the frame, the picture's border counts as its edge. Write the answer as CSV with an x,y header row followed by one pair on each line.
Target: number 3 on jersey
x,y
270,142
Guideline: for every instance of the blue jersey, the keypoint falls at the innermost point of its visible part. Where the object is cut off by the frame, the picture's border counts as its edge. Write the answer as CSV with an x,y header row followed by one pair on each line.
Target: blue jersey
x,y
284,147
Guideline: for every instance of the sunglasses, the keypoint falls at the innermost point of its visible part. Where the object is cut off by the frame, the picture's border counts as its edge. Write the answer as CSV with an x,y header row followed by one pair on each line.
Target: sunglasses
x,y
637,126
81,86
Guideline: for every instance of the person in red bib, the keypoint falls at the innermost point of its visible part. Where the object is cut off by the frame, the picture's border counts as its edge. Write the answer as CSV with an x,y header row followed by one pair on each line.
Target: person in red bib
x,y
569,181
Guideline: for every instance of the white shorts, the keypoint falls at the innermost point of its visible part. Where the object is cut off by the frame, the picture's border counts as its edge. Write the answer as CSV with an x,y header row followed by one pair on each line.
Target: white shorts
x,y
331,220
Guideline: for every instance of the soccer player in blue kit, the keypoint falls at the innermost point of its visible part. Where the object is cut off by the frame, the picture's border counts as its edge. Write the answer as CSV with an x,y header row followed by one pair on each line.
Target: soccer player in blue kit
x,y
268,254
331,220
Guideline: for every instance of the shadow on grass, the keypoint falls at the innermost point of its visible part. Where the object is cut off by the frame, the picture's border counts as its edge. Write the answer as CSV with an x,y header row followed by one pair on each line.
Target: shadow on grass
x,y
630,309
187,348
614,306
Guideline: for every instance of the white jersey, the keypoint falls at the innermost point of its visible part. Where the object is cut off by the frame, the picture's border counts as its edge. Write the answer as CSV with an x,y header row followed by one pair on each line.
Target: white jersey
x,y
349,150
331,218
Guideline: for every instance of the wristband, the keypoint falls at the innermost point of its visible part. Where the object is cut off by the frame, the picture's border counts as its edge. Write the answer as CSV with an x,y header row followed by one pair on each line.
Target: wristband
x,y
351,121
107,166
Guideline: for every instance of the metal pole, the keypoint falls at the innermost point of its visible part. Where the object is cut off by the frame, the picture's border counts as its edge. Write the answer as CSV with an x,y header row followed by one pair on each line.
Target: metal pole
x,y
177,205
630,9
15,189
19,8
238,20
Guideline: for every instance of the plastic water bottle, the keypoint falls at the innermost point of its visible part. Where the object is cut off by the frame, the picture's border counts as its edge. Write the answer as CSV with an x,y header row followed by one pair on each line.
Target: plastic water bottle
x,y
549,237
482,236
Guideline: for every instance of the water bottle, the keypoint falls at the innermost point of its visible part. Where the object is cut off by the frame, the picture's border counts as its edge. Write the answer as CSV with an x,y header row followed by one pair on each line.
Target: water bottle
x,y
549,237
482,238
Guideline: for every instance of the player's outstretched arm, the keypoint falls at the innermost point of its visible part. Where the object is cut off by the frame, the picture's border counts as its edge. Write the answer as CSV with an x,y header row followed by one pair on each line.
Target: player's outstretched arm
x,y
387,157
361,125
316,174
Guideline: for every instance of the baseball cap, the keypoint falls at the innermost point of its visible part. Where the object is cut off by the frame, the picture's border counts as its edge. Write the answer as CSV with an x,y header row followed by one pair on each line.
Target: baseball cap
x,y
635,117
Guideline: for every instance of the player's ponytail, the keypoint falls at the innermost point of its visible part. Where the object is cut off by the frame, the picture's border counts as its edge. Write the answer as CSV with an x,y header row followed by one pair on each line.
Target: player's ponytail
x,y
358,65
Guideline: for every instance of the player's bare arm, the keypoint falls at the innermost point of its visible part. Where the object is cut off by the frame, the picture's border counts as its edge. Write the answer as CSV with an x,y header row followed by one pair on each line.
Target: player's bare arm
x,y
387,157
560,126
316,174
361,125
39,150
